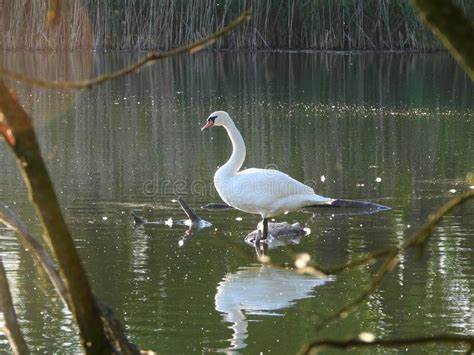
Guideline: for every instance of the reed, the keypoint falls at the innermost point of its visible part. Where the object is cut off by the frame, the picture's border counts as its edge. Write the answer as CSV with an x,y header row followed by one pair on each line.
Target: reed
x,y
165,24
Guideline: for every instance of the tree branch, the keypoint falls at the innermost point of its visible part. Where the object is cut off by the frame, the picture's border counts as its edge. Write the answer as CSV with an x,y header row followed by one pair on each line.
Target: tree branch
x,y
11,327
370,258
8,218
417,238
16,127
358,342
43,197
114,330
149,58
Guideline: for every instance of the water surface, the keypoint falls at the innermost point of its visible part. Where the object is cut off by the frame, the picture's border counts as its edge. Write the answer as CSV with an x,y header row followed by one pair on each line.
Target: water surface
x,y
396,129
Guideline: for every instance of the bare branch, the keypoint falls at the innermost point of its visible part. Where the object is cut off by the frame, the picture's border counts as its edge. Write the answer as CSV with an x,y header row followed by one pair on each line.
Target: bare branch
x,y
425,231
418,238
356,262
311,267
468,341
43,197
391,256
11,327
149,58
392,259
30,244
116,333
16,127
36,250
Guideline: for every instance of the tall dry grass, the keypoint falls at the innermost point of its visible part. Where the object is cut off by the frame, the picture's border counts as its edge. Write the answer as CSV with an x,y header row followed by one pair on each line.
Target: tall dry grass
x,y
164,24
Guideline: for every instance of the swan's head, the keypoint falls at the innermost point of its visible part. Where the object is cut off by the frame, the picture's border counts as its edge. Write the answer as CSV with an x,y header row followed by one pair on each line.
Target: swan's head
x,y
217,118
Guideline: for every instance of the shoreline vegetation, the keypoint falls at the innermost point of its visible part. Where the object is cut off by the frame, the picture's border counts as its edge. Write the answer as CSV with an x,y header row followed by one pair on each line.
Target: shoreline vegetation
x,y
276,25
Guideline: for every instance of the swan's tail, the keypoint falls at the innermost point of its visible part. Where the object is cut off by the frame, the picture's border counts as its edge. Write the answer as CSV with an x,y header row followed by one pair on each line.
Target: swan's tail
x,y
189,212
359,204
353,204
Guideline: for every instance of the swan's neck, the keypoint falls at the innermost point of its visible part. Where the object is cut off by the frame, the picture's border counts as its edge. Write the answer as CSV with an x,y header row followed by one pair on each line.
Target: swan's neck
x,y
238,151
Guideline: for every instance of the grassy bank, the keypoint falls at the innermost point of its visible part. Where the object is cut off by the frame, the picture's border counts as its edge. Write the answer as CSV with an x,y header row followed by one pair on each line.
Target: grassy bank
x,y
276,24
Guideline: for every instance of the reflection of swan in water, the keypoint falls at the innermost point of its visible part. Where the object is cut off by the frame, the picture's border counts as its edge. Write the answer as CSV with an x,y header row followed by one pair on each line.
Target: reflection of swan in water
x,y
259,290
279,234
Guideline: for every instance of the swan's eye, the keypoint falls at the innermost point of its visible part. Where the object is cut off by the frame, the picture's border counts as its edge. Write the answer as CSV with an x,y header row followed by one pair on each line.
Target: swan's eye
x,y
212,118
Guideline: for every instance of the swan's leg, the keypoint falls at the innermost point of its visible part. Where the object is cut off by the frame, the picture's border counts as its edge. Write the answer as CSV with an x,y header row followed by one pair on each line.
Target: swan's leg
x,y
261,249
262,235
265,228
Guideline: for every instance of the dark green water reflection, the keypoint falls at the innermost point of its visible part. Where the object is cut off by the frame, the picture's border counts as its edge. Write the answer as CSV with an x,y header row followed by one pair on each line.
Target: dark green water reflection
x,y
130,145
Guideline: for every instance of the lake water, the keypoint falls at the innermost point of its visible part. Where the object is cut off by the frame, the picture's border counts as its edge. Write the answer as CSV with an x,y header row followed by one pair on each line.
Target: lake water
x,y
396,129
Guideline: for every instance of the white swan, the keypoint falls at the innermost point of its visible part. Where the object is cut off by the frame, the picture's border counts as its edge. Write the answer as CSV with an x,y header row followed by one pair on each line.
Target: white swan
x,y
261,191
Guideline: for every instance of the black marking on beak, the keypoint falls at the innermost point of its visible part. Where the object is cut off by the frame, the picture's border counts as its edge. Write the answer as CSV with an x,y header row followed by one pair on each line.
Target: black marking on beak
x,y
212,118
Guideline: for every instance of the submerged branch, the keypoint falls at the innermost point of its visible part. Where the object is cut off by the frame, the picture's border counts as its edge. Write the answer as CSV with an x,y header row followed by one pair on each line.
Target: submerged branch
x,y
11,327
149,58
112,326
358,342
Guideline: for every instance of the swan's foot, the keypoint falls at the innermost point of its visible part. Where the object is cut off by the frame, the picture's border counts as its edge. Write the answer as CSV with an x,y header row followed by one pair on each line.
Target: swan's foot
x,y
261,249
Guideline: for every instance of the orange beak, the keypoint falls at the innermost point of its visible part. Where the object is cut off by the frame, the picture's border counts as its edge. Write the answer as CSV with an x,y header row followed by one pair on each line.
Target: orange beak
x,y
208,124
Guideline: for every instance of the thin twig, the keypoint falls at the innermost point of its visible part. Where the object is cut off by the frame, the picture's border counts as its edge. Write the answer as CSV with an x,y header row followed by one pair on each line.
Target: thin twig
x,y
417,238
370,258
358,342
262,257
11,327
311,268
149,58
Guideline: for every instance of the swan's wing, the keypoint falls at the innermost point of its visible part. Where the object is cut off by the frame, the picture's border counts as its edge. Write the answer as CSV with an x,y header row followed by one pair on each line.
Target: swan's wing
x,y
271,183
266,192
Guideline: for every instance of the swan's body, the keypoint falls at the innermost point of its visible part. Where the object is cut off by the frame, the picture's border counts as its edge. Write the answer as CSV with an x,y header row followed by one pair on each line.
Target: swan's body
x,y
264,191
261,191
